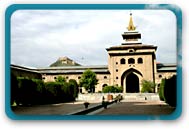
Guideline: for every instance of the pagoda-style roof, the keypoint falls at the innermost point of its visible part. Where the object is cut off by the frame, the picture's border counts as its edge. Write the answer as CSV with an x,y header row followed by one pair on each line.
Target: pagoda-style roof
x,y
132,46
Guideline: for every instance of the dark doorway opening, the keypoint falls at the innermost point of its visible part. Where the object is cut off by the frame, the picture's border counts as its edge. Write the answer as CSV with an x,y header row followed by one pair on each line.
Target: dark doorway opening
x,y
132,83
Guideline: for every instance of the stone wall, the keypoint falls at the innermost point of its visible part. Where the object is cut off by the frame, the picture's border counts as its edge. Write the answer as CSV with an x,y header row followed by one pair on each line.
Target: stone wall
x,y
25,73
97,97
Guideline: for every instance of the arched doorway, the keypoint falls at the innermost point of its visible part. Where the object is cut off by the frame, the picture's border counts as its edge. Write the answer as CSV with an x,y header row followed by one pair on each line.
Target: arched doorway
x,y
132,83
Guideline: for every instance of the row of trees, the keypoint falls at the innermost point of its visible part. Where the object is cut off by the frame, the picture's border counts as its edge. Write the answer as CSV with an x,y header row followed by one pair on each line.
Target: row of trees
x,y
25,91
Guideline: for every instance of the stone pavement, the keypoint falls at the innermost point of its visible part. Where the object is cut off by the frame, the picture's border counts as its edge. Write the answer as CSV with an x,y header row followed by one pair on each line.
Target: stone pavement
x,y
52,109
137,108
125,107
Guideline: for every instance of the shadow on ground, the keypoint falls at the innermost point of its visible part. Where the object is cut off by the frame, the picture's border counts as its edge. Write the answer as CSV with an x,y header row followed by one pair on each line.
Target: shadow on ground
x,y
51,109
122,108
138,108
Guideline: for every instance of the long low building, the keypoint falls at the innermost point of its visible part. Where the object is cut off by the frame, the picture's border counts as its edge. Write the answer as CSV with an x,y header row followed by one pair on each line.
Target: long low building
x,y
49,74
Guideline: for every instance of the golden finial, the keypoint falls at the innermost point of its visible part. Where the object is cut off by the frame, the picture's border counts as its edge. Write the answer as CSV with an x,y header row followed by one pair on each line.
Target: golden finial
x,y
131,26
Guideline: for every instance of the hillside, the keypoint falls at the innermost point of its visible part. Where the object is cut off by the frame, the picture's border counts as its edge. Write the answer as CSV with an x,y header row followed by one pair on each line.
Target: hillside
x,y
64,61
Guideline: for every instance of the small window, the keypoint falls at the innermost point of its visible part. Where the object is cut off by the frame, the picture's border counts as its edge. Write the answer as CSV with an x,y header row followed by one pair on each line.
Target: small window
x,y
43,78
122,61
54,77
117,78
160,76
104,85
140,61
67,77
116,70
116,63
79,77
131,61
105,77
80,90
131,50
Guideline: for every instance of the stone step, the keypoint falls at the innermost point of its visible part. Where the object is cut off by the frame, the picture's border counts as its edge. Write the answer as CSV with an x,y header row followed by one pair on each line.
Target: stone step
x,y
127,96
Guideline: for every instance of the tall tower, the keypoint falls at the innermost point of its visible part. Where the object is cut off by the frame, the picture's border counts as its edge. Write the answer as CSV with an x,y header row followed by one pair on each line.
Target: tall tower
x,y
131,36
132,61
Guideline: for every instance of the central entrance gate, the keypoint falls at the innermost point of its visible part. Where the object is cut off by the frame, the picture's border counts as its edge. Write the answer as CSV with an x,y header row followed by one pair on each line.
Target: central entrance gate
x,y
132,83
130,80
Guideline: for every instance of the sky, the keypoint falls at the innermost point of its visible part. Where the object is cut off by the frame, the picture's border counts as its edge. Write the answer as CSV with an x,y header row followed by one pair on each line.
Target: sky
x,y
40,37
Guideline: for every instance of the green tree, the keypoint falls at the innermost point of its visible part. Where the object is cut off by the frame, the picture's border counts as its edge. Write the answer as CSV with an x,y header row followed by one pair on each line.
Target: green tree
x,y
89,80
170,89
26,91
74,87
112,89
148,86
60,79
161,90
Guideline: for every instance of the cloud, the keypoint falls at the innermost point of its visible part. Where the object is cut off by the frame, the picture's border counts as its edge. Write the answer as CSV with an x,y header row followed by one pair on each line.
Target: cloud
x,y
40,37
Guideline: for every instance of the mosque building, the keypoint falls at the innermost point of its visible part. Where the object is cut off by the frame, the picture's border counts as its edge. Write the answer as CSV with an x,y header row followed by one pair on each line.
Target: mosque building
x,y
128,64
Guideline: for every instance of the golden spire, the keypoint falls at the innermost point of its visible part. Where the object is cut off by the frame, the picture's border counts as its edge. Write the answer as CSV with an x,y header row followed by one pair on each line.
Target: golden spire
x,y
131,26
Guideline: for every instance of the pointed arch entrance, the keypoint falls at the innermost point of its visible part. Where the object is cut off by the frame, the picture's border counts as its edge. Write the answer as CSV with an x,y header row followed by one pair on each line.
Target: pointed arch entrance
x,y
132,83
130,80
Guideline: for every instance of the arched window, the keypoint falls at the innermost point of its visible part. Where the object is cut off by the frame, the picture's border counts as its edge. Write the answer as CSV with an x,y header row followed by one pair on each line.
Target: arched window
x,y
131,50
122,61
131,61
104,85
140,61
105,77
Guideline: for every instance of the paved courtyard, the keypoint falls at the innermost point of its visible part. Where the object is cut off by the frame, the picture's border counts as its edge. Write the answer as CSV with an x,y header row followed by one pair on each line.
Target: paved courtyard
x,y
52,109
122,108
138,108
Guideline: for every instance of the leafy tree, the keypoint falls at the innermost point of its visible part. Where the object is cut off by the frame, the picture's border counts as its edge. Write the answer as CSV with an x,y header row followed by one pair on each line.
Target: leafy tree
x,y
161,90
89,80
60,79
148,86
74,87
167,91
26,91
112,89
170,91
40,84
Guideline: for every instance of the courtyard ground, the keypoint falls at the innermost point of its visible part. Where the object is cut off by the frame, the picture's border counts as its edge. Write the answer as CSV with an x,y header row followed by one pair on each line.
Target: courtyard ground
x,y
137,108
52,109
122,108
